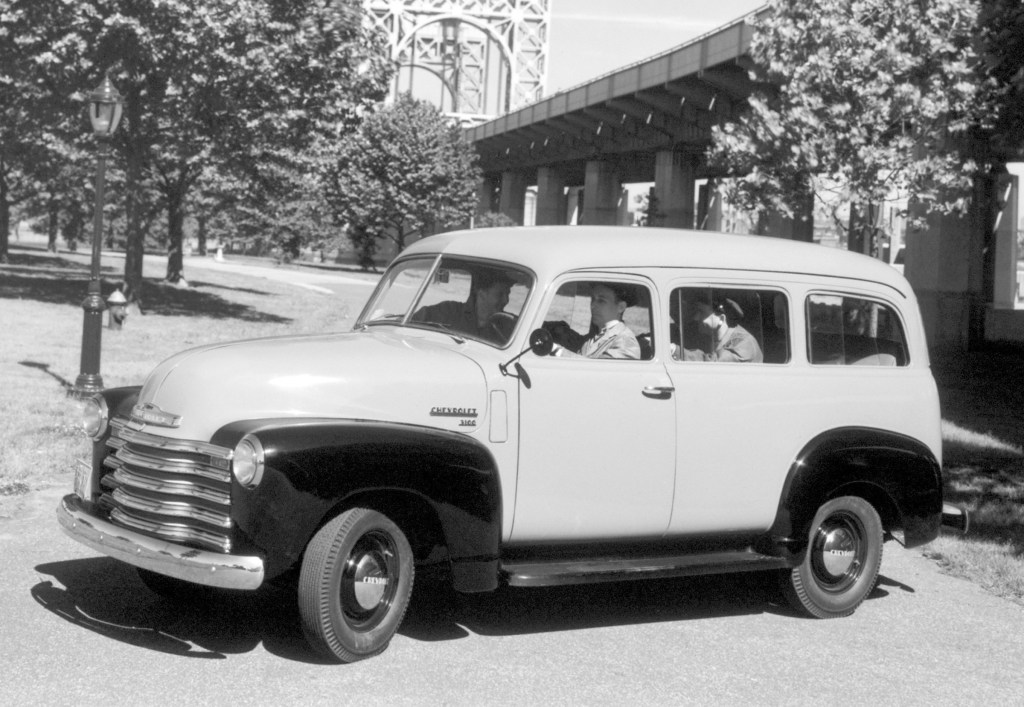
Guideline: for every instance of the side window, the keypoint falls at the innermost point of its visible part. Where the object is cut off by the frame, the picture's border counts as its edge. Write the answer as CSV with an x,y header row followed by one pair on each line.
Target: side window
x,y
729,325
601,319
850,331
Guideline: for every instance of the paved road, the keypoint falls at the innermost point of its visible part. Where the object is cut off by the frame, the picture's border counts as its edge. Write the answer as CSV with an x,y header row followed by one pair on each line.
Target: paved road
x,y
80,628
326,281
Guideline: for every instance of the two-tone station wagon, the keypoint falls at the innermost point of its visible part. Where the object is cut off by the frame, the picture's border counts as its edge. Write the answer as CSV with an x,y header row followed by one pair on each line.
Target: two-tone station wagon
x,y
537,406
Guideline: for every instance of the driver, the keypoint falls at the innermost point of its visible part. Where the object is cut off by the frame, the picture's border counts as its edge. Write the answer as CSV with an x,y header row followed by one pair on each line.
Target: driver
x,y
488,296
609,336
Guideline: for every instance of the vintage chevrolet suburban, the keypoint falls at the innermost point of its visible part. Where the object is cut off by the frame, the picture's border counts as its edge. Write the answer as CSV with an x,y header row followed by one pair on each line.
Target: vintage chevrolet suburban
x,y
771,408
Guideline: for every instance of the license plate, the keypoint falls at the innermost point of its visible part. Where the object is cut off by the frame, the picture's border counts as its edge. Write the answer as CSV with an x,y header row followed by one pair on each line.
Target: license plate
x,y
83,480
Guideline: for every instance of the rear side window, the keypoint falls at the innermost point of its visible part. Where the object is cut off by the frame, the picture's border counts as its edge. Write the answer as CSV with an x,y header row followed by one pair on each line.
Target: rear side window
x,y
851,331
729,325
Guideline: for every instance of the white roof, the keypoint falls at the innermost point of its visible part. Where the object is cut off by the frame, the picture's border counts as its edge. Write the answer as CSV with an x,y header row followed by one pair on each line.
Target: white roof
x,y
548,250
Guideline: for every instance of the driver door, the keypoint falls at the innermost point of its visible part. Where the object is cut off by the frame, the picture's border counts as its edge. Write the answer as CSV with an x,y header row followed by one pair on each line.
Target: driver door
x,y
596,443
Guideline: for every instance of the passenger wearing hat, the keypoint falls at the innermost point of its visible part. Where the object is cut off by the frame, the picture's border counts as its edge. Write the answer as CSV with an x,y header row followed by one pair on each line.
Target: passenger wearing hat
x,y
731,342
609,336
488,295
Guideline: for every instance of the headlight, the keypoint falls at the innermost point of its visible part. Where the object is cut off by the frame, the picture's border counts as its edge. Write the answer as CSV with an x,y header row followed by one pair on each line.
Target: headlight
x,y
93,416
247,461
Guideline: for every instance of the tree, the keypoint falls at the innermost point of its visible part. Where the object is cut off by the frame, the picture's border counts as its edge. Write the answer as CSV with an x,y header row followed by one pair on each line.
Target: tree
x,y
871,99
1003,23
240,86
406,172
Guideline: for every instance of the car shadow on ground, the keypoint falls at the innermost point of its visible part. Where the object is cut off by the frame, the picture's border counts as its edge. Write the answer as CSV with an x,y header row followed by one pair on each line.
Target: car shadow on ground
x,y
107,597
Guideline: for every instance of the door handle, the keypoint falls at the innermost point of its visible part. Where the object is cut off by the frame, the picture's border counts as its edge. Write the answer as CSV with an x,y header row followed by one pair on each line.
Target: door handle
x,y
659,391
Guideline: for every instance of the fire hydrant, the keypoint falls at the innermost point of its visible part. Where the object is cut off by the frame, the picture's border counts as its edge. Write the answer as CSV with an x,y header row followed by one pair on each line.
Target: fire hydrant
x,y
117,309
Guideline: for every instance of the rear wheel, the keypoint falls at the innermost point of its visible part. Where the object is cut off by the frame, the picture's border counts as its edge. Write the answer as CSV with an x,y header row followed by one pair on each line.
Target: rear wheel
x,y
840,567
355,585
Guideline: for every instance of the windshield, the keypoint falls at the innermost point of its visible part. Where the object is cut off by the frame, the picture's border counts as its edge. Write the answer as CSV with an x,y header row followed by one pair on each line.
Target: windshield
x,y
466,298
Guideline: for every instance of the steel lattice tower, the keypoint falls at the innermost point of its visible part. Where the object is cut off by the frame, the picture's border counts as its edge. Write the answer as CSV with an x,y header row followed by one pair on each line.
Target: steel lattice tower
x,y
475,59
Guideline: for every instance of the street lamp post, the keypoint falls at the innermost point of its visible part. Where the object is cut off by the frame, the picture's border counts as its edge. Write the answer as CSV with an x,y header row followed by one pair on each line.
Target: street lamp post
x,y
105,107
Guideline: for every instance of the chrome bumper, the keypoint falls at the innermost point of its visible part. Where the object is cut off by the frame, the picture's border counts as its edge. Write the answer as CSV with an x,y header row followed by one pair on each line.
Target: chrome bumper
x,y
955,518
187,563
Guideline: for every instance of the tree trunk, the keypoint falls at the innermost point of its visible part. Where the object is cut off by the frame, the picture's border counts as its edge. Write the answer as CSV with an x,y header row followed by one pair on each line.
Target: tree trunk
x,y
201,234
5,215
52,219
863,234
175,220
135,235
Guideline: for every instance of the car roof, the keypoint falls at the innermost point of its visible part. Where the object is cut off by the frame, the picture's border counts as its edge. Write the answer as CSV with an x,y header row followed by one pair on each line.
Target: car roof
x,y
549,250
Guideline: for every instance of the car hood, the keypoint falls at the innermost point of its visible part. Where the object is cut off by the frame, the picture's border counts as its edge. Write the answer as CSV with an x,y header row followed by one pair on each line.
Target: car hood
x,y
388,375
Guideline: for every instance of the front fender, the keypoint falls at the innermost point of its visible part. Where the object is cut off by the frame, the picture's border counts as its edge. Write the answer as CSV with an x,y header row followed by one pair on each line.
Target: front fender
x,y
898,474
313,468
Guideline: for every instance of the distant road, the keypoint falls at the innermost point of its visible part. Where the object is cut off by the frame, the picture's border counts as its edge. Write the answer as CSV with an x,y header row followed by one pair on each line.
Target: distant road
x,y
325,281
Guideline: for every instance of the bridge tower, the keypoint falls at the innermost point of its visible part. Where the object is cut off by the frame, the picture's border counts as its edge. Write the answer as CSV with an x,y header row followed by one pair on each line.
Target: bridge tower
x,y
474,59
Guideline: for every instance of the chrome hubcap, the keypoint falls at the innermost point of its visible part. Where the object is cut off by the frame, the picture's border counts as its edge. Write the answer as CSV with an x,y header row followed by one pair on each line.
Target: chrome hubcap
x,y
369,580
837,552
369,583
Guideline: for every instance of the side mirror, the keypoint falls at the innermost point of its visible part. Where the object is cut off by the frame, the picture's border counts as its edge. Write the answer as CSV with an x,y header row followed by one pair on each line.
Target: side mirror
x,y
541,343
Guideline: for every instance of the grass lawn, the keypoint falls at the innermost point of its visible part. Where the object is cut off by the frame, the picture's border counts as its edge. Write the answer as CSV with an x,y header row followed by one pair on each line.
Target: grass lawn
x,y
40,344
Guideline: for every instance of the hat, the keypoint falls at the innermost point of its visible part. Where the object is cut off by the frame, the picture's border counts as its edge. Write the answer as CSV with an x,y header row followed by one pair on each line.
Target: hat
x,y
730,309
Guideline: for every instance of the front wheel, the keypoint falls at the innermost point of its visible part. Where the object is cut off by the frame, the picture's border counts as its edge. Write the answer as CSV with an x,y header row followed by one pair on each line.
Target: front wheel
x,y
355,584
840,567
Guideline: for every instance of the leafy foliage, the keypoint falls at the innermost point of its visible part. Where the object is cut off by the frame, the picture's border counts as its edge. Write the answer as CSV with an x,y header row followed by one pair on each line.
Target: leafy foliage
x,y
871,98
406,172
1003,23
223,92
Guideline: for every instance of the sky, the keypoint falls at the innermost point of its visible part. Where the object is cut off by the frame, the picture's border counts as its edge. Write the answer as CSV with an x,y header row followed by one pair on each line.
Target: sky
x,y
588,38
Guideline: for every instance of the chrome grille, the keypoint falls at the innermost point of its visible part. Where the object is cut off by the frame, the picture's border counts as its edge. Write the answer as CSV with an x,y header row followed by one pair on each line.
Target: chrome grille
x,y
178,490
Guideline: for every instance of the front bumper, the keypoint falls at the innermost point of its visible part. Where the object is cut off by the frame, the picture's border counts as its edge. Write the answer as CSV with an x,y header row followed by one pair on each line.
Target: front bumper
x,y
186,563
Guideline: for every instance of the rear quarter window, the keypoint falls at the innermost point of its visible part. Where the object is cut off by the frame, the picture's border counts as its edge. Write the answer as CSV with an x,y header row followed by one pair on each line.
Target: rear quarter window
x,y
852,331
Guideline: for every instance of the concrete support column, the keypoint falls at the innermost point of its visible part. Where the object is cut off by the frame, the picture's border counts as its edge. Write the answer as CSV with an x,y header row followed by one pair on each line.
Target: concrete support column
x,y
551,200
487,194
1004,286
602,190
513,195
674,189
944,264
709,212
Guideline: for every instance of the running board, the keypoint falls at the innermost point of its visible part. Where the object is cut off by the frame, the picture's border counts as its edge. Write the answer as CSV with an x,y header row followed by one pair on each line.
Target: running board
x,y
614,569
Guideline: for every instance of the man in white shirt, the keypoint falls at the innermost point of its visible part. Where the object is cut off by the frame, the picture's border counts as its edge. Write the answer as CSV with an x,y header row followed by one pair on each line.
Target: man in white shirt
x,y
610,337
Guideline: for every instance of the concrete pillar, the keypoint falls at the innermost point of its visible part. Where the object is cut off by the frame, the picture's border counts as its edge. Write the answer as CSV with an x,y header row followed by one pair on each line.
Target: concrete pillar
x,y
602,189
513,195
673,190
574,205
944,264
551,198
486,195
623,217
709,212
1004,286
